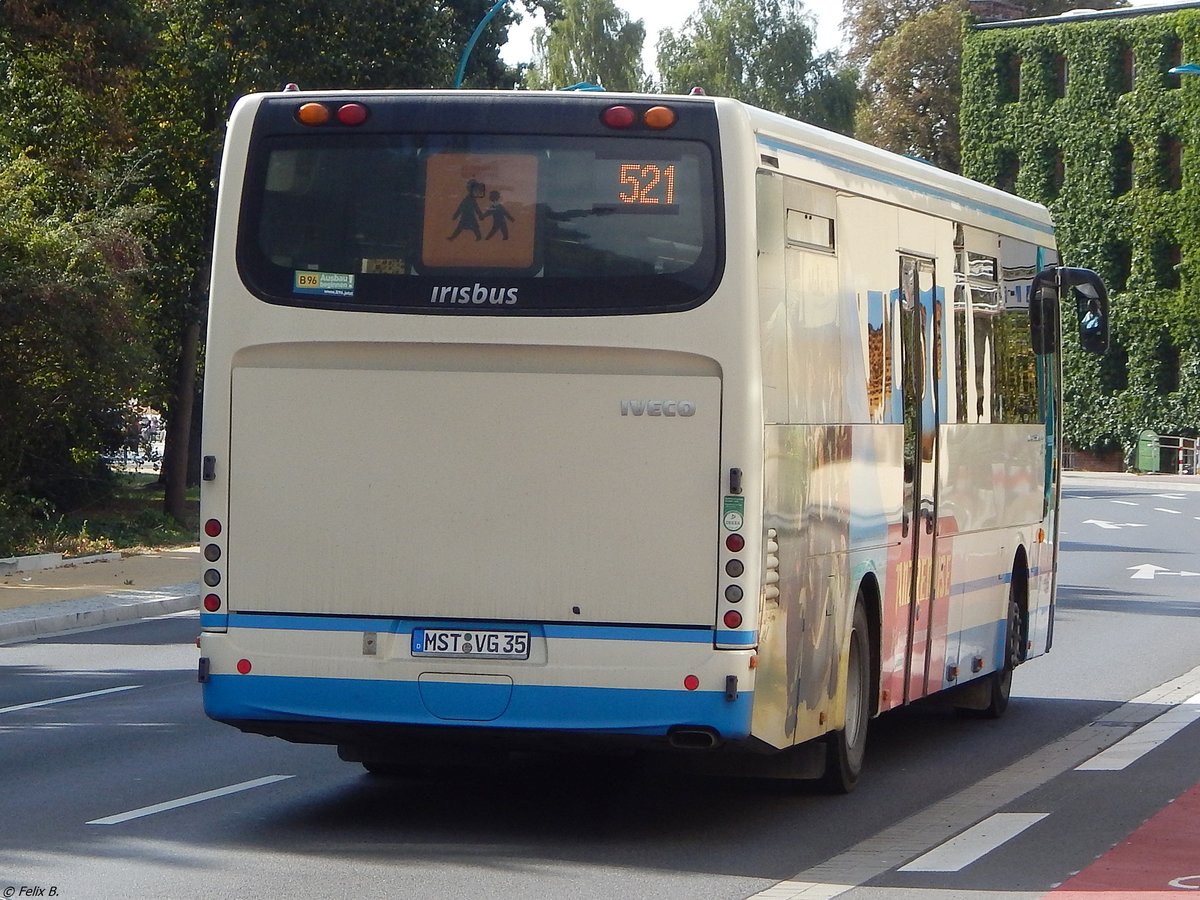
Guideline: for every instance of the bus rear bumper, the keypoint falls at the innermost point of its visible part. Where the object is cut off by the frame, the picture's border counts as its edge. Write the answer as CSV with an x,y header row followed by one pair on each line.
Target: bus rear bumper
x,y
282,705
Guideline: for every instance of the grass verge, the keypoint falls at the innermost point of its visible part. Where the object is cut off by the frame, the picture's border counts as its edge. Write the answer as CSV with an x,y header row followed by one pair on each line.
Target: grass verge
x,y
131,519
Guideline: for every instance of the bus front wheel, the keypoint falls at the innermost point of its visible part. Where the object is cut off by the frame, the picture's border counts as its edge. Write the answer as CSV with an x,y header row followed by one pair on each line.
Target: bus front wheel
x,y
845,749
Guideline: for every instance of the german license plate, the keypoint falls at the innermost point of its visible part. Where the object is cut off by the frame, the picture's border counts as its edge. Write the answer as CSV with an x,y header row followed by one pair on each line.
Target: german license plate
x,y
465,643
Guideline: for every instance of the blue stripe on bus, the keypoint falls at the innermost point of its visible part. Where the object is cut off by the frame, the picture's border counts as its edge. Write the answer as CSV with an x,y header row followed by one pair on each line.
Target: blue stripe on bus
x,y
868,171
989,582
579,709
658,634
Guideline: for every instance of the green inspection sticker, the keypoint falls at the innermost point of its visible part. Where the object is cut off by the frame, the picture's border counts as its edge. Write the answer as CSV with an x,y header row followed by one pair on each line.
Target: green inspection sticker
x,y
734,513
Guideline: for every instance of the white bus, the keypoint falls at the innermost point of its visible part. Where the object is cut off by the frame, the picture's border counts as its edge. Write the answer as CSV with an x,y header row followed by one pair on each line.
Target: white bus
x,y
617,422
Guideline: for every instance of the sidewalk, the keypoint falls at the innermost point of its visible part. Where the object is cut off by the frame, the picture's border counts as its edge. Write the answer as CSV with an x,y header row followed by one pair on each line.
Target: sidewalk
x,y
85,595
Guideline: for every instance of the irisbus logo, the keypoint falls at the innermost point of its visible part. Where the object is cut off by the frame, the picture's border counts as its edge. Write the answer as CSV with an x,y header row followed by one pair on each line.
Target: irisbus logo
x,y
476,294
683,408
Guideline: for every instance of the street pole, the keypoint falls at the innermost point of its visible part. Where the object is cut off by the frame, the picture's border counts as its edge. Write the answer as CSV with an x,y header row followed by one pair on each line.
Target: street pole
x,y
462,60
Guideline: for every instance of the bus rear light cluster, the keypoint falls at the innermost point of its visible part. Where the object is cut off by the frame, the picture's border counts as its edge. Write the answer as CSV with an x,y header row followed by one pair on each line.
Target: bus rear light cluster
x,y
735,567
316,114
212,552
657,118
771,569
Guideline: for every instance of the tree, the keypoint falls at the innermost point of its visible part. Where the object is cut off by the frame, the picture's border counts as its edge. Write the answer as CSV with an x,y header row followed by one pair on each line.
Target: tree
x,y
870,22
592,41
205,54
911,52
70,341
761,52
912,87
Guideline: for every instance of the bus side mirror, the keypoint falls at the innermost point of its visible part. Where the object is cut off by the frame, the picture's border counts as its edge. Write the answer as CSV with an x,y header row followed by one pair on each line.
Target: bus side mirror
x,y
1091,308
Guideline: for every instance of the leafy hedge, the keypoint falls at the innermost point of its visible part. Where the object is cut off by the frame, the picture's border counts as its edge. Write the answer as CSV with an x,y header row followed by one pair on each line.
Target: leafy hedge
x,y
1071,143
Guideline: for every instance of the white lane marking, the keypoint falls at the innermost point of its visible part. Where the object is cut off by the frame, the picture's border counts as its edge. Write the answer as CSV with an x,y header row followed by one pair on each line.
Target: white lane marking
x,y
898,843
37,703
974,843
802,890
1104,523
1174,512
1130,749
1125,502
1170,496
188,801
1151,571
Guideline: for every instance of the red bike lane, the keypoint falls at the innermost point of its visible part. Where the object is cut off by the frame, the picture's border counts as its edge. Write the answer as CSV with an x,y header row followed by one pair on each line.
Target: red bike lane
x,y
1160,859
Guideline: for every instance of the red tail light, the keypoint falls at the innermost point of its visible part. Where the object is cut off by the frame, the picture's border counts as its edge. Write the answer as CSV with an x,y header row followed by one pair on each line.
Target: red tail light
x,y
618,117
352,114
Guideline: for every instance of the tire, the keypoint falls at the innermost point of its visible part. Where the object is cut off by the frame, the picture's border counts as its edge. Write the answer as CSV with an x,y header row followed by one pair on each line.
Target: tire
x,y
846,749
1001,680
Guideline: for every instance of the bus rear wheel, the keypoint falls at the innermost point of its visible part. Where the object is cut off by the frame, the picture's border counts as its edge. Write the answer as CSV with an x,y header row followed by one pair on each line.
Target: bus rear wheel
x,y
845,749
1001,680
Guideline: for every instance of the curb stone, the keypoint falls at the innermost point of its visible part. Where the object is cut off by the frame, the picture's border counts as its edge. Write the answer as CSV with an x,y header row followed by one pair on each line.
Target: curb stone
x,y
43,561
107,609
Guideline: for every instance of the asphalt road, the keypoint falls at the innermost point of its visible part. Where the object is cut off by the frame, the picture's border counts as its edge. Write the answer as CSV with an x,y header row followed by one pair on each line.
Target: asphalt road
x,y
115,785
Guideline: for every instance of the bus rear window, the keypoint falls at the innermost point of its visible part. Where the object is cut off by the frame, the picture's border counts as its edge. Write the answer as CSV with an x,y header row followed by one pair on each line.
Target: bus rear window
x,y
495,224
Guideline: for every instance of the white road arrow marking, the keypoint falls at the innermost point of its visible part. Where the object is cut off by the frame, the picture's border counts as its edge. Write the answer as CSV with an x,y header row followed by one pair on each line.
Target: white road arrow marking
x,y
1106,524
1150,571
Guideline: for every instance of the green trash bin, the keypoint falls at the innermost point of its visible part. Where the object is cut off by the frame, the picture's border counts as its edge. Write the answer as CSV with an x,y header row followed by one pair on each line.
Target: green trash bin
x,y
1149,452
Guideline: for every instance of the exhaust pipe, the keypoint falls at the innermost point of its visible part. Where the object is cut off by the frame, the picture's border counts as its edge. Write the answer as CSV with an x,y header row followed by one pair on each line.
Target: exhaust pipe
x,y
693,738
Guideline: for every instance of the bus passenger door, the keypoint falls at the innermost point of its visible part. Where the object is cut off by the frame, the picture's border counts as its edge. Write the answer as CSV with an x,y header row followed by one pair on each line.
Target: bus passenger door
x,y
919,359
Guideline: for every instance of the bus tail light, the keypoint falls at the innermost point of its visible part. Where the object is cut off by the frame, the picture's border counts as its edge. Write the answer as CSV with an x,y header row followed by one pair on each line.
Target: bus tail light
x,y
771,570
315,114
733,619
618,117
659,117
312,114
352,114
212,602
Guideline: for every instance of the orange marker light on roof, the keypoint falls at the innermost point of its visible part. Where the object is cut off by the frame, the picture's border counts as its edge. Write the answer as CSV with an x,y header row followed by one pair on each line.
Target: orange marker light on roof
x,y
312,114
659,117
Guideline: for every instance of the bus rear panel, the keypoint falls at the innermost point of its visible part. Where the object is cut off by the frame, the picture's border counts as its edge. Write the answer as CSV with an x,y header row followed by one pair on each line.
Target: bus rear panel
x,y
423,523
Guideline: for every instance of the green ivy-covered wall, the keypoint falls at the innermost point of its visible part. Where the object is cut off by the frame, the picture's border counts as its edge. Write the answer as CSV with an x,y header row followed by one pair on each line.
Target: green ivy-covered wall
x,y
1080,114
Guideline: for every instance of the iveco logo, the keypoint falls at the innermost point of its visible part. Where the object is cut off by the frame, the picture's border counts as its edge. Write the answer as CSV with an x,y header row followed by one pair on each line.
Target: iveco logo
x,y
658,408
